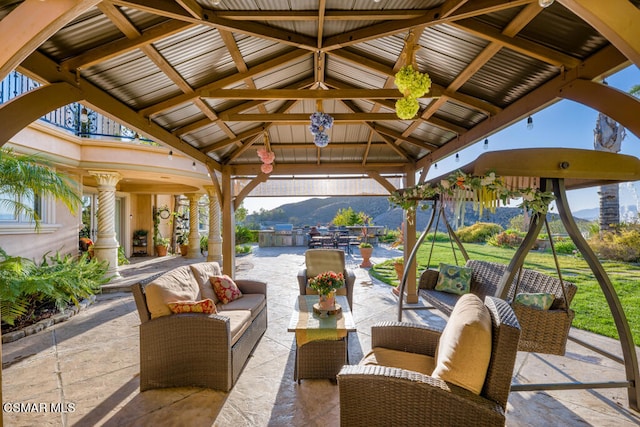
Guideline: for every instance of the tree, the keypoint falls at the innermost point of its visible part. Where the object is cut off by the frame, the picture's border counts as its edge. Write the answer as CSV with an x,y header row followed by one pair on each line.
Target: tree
x,y
28,177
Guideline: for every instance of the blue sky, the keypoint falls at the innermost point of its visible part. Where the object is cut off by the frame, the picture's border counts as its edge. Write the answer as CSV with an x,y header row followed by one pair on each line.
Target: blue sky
x,y
565,123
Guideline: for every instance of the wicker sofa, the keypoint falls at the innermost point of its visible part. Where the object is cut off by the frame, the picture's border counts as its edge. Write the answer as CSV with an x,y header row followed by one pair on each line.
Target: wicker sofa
x,y
542,331
195,349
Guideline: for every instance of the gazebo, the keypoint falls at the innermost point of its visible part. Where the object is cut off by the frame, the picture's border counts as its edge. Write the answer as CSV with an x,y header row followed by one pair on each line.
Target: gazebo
x,y
228,82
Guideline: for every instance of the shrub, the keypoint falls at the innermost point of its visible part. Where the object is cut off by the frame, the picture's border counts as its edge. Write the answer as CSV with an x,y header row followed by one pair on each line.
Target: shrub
x,y
623,245
58,279
565,246
478,232
244,235
506,239
243,249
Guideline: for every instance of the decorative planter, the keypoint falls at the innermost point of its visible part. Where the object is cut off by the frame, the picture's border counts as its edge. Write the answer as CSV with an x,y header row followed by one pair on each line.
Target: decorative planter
x,y
366,255
399,266
184,250
328,301
161,250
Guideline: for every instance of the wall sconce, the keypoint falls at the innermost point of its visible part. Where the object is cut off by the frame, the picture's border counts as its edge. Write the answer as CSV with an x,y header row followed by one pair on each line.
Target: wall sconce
x,y
84,115
170,156
529,123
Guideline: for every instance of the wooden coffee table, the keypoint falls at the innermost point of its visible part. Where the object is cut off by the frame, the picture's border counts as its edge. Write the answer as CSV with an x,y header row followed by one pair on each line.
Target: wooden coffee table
x,y
321,343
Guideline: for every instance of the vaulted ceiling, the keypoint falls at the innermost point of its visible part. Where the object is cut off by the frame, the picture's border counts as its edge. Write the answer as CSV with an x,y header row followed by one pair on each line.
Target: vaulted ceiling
x,y
219,79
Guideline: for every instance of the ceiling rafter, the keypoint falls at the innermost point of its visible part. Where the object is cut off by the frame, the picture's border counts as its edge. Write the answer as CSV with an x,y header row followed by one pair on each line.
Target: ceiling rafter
x,y
39,65
604,60
210,18
514,27
123,23
435,91
121,46
432,17
266,66
312,15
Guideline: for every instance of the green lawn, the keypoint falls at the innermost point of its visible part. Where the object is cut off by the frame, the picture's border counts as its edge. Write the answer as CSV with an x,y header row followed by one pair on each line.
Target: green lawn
x,y
592,310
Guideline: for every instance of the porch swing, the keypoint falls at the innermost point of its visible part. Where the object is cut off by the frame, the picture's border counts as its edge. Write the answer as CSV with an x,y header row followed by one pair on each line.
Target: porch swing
x,y
543,330
556,169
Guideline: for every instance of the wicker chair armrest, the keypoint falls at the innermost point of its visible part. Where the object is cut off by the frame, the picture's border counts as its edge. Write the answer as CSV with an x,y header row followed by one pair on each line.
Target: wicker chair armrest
x,y
404,336
248,286
380,395
302,280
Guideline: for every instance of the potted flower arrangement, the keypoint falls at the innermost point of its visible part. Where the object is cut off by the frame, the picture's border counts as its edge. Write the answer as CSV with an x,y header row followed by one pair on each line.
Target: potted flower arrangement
x,y
326,284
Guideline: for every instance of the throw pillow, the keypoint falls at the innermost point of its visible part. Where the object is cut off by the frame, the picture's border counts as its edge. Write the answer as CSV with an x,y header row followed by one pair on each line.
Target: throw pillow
x,y
454,279
541,301
226,289
464,349
205,306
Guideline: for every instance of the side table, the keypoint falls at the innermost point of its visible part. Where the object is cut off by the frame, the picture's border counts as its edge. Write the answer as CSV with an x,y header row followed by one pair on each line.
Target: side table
x,y
321,343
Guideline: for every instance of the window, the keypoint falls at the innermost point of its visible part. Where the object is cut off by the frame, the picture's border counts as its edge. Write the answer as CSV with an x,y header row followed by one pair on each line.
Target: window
x,y
19,223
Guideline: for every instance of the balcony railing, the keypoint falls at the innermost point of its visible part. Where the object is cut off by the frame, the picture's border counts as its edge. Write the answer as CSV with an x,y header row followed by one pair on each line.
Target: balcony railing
x,y
75,118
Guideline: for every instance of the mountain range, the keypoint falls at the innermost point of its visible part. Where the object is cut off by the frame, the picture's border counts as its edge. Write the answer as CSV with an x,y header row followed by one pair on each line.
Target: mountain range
x,y
321,211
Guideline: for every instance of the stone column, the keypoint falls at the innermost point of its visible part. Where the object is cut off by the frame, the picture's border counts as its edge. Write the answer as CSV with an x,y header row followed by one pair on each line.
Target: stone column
x,y
194,236
214,249
106,246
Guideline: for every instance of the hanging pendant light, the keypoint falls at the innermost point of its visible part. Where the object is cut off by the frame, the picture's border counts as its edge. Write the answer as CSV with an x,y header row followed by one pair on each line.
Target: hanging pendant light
x,y
545,3
529,123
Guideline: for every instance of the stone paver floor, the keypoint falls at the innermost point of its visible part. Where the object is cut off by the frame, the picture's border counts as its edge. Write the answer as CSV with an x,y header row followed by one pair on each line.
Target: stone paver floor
x,y
84,372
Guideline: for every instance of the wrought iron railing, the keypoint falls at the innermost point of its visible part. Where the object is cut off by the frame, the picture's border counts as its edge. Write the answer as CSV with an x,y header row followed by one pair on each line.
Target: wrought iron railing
x,y
75,118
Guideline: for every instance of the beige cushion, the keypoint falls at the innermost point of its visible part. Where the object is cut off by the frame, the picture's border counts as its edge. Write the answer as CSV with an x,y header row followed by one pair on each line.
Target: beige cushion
x,y
203,271
252,302
464,349
400,359
175,285
320,260
239,321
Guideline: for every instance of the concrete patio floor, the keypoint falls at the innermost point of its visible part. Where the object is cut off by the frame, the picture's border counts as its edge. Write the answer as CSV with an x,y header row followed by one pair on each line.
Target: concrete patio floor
x,y
90,363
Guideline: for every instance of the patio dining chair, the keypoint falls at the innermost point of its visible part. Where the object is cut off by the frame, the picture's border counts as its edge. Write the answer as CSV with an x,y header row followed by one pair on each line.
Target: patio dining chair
x,y
320,260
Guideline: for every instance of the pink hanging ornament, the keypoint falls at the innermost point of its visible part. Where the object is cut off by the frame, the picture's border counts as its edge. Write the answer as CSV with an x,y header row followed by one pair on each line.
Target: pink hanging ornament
x,y
266,168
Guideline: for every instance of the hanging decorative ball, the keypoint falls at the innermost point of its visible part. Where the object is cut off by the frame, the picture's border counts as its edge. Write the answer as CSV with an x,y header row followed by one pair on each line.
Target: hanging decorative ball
x,y
406,108
266,168
321,139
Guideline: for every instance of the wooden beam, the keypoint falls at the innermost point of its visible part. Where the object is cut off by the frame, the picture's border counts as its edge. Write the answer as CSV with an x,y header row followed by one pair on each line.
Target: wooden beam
x,y
321,169
616,20
121,46
311,15
620,106
30,24
46,70
525,47
299,94
430,18
225,81
600,63
301,118
17,113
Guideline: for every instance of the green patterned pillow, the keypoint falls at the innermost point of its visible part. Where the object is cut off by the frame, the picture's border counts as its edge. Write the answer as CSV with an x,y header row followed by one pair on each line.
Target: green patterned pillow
x,y
454,279
541,301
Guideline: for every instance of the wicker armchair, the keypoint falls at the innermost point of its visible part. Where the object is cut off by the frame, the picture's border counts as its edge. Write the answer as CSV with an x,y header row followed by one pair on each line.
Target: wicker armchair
x,y
320,260
383,396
